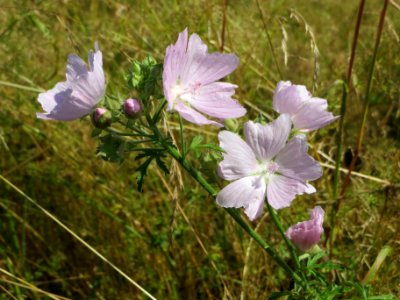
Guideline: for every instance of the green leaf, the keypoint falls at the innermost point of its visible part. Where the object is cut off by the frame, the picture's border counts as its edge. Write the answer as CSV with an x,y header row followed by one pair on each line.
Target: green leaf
x,y
161,165
314,259
142,169
146,78
330,266
277,295
196,146
382,297
134,76
111,148
96,132
40,26
196,141
212,147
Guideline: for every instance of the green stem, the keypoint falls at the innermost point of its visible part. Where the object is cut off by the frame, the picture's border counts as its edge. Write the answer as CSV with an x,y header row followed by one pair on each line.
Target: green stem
x,y
144,149
233,212
113,130
134,128
158,111
182,141
290,246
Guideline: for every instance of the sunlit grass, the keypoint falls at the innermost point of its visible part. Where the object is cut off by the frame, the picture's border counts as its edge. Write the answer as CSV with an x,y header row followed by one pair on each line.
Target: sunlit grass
x,y
173,239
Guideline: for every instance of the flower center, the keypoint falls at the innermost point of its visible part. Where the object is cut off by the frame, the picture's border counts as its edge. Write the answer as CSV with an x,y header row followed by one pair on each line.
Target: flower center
x,y
271,167
266,169
184,94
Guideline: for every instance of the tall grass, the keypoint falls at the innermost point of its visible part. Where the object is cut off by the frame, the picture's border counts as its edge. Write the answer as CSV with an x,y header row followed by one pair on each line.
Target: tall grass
x,y
173,239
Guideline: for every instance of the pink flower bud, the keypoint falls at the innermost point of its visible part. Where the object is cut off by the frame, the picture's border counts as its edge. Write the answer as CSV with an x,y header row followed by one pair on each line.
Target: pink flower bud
x,y
101,118
132,108
308,233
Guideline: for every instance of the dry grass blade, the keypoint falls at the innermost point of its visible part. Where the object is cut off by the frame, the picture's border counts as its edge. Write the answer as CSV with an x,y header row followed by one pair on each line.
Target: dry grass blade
x,y
372,178
313,44
395,4
23,283
247,259
8,292
382,255
198,239
61,224
21,87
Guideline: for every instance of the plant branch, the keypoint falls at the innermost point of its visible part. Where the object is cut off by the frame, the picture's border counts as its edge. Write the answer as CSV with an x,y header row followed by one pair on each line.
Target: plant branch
x,y
278,224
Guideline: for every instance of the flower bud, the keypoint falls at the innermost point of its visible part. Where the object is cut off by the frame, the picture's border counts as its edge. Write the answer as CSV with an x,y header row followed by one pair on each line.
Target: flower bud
x,y
132,108
101,118
231,125
307,234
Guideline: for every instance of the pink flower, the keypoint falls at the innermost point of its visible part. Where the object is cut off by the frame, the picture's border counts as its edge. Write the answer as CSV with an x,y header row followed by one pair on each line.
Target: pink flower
x,y
308,113
265,165
308,233
191,85
76,97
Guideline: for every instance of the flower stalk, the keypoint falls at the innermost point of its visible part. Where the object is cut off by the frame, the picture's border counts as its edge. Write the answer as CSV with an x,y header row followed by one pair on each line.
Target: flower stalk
x,y
278,224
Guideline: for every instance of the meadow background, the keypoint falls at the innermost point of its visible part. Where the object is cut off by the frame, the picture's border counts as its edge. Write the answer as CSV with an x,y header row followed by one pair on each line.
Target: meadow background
x,y
172,238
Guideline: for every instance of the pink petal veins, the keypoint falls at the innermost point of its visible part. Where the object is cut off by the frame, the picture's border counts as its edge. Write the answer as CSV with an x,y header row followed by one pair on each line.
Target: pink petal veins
x,y
294,162
306,234
239,159
267,140
190,79
77,96
308,113
248,192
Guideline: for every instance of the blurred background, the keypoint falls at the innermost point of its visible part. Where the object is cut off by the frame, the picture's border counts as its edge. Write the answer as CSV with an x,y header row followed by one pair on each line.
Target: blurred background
x,y
172,238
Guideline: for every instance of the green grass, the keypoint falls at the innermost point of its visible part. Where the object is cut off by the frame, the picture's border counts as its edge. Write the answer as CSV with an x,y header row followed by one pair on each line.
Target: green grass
x,y
148,235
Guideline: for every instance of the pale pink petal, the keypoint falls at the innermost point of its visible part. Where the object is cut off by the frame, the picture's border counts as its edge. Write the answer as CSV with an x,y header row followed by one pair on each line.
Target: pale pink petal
x,y
282,190
289,98
215,100
248,192
308,233
255,209
81,92
95,58
189,77
90,88
239,160
48,99
173,64
267,140
201,67
76,67
307,113
189,114
96,73
317,215
313,115
309,189
67,107
294,162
